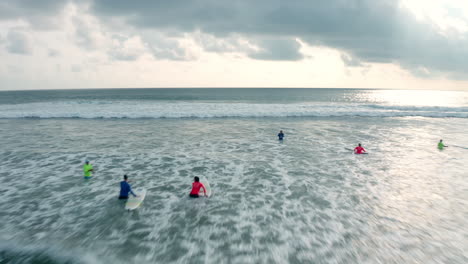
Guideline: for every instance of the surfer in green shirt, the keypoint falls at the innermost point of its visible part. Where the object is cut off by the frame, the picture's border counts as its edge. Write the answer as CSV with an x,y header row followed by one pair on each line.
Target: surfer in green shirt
x,y
88,170
441,145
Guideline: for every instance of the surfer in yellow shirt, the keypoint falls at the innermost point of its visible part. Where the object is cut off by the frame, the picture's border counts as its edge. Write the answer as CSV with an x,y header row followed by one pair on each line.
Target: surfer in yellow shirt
x,y
88,170
441,145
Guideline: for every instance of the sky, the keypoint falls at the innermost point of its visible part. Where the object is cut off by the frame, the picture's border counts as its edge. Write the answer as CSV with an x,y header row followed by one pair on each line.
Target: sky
x,y
65,44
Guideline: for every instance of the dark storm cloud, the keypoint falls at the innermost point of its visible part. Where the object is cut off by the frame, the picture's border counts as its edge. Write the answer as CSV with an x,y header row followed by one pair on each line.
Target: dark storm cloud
x,y
368,30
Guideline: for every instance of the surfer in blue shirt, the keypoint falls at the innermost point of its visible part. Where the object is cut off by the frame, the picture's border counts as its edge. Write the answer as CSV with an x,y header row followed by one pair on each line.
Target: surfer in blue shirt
x,y
281,135
125,188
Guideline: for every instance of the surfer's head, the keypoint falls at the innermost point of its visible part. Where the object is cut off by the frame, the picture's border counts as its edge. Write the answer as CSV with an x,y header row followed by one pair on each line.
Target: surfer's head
x,y
359,144
125,177
87,161
196,179
441,141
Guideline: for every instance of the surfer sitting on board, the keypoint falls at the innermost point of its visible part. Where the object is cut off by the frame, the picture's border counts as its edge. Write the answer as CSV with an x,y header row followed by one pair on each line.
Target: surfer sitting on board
x,y
281,135
359,150
441,145
87,169
125,188
196,186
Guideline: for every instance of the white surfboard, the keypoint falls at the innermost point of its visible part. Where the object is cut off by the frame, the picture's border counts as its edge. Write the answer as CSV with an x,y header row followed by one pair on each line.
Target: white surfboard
x,y
206,183
135,202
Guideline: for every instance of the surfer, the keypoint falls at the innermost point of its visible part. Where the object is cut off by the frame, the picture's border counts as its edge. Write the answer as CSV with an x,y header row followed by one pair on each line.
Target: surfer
x,y
359,149
281,135
88,170
125,188
196,186
441,145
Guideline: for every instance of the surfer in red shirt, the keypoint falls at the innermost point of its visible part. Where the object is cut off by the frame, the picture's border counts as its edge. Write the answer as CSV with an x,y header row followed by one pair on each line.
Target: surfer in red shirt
x,y
359,150
196,186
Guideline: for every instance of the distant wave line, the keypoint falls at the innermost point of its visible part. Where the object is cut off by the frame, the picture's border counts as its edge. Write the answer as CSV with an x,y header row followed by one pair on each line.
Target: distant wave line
x,y
158,110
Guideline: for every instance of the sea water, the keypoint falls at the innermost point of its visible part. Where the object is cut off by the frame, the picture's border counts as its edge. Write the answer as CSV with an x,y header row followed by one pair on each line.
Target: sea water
x,y
306,199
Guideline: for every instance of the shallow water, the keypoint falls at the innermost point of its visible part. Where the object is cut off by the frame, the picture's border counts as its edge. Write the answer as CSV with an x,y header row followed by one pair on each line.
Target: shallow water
x,y
305,200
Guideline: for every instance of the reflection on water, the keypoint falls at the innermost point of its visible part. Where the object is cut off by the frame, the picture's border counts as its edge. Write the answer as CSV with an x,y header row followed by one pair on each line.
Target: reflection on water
x,y
414,97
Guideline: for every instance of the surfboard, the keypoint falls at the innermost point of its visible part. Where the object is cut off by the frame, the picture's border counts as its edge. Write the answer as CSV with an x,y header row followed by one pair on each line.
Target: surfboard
x,y
135,202
458,147
206,183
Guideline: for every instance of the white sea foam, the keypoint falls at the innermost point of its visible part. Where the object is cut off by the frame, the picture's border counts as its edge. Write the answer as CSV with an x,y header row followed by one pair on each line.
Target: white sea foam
x,y
16,253
153,109
303,200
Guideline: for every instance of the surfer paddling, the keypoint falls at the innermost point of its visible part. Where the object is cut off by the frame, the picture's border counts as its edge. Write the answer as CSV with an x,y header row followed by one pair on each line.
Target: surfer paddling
x,y
359,150
196,186
125,188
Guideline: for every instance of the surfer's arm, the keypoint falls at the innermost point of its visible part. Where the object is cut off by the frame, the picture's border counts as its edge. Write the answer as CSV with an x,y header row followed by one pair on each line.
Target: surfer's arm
x,y
204,189
131,191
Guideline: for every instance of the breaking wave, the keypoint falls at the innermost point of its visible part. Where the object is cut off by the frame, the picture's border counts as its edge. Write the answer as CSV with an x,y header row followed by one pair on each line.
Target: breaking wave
x,y
152,109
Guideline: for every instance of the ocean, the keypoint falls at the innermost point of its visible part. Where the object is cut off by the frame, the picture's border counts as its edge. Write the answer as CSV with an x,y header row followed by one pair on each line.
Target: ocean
x,y
306,199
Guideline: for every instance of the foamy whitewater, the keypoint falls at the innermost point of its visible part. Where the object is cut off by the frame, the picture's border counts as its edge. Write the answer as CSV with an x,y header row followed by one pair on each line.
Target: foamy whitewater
x,y
304,200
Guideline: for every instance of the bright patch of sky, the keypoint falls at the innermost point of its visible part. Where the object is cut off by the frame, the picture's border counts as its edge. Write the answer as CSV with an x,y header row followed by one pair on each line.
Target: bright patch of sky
x,y
447,15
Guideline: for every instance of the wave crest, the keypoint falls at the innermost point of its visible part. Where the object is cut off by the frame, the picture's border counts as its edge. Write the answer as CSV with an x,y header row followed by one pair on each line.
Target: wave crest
x,y
151,109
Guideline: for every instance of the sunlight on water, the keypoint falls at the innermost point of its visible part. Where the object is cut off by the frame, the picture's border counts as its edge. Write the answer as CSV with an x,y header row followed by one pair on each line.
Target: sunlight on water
x,y
417,97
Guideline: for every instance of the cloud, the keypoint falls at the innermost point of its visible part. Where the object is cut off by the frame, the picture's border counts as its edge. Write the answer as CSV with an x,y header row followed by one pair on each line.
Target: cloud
x,y
167,46
277,49
368,30
14,69
350,61
88,33
19,42
53,53
360,35
39,14
127,48
76,68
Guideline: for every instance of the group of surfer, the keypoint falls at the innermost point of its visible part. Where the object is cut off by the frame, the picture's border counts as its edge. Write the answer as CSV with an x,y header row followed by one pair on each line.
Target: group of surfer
x,y
126,189
357,150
